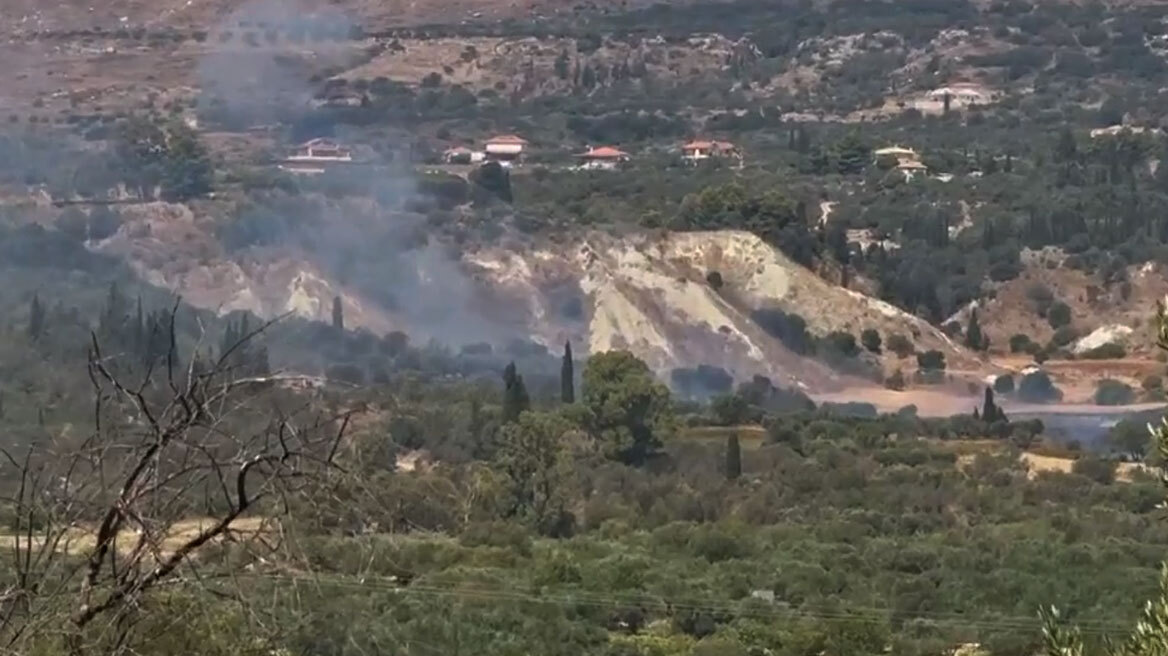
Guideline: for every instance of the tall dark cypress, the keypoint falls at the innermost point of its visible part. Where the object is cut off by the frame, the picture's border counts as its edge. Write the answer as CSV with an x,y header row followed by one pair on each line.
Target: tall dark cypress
x,y
139,326
515,399
36,318
338,314
733,457
567,376
991,413
974,339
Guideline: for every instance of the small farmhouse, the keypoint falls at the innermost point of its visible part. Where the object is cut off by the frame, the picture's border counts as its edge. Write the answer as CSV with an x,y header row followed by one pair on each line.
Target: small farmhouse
x,y
700,150
906,160
604,158
313,157
505,149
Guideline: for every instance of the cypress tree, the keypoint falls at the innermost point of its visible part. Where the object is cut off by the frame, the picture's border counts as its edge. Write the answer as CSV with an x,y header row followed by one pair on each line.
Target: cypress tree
x,y
338,314
113,317
802,140
973,335
515,399
36,318
733,457
561,65
991,413
567,380
229,338
261,365
139,326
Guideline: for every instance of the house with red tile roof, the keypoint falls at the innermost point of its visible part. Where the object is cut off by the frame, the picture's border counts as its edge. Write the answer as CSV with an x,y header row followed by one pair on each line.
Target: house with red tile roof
x,y
701,149
604,158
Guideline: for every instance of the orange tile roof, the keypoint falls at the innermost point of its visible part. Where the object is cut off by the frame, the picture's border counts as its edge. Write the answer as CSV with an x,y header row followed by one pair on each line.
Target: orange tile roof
x,y
698,144
604,152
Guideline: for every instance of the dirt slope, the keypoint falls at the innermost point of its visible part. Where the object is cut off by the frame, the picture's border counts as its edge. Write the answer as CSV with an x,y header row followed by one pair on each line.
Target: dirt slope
x,y
1094,305
172,247
650,294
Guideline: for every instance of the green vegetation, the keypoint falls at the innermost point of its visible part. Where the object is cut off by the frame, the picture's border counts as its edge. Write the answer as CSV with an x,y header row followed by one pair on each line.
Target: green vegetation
x,y
433,498
1114,392
1037,387
585,523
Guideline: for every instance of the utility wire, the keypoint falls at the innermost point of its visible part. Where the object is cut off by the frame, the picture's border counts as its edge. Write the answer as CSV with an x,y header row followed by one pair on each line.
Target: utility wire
x,y
864,614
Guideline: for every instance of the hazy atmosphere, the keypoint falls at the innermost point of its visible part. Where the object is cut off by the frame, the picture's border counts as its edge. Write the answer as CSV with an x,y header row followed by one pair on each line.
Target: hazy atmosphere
x,y
708,328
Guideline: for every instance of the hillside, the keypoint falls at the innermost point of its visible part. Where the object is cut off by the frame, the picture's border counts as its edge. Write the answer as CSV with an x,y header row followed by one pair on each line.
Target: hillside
x,y
650,293
1021,306
653,294
609,327
23,16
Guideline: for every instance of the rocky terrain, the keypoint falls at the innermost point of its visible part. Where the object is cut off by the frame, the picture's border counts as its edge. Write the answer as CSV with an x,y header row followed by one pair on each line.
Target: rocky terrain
x,y
677,300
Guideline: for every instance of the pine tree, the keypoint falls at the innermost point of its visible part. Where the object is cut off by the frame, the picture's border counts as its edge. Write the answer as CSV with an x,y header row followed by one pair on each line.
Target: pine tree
x,y
515,399
567,380
338,315
988,238
733,457
36,318
851,154
973,335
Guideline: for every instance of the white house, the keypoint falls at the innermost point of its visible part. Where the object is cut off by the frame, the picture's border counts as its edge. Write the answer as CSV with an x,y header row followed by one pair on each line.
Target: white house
x,y
505,149
313,157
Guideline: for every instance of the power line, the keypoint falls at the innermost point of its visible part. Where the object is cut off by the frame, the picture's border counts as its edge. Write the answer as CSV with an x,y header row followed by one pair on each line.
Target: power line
x,y
863,614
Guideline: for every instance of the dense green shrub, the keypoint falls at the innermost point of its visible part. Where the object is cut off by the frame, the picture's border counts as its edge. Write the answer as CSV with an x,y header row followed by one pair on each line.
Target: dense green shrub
x,y
1037,387
1113,392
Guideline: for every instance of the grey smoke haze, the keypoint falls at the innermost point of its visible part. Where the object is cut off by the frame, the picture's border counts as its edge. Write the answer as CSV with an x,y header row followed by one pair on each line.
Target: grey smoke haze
x,y
379,250
251,80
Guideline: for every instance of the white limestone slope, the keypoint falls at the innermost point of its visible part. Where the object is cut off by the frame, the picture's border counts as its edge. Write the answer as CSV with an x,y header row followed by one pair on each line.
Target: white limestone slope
x,y
649,293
